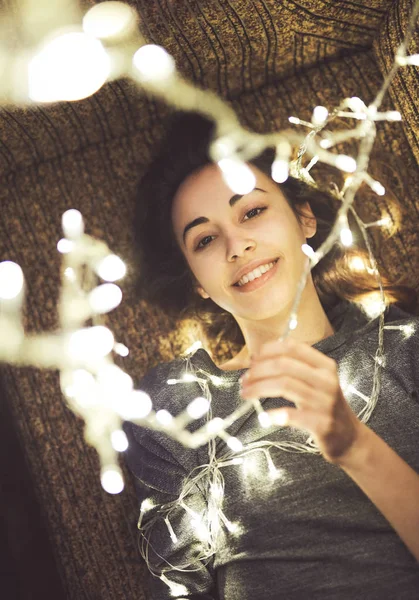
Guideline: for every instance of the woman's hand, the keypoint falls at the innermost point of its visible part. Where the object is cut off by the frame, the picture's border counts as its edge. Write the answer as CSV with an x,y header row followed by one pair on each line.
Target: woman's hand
x,y
303,375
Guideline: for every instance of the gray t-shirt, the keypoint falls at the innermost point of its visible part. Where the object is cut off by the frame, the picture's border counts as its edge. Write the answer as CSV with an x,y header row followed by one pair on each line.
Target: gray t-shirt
x,y
310,532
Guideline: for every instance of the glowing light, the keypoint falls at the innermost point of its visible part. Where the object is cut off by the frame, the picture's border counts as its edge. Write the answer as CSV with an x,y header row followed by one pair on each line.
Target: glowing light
x,y
320,114
121,349
164,417
325,143
198,407
111,268
11,280
279,418
154,64
94,341
109,20
234,444
135,405
308,250
408,330
216,380
280,170
222,148
345,232
172,534
70,274
237,175
215,425
105,297
65,246
72,224
193,347
146,505
171,381
111,479
373,305
176,589
189,377
356,263
70,67
82,382
345,163
413,59
356,104
393,115
264,419
293,322
116,385
119,440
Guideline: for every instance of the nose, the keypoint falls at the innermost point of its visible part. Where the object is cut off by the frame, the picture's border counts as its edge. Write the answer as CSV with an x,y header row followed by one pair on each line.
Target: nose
x,y
238,245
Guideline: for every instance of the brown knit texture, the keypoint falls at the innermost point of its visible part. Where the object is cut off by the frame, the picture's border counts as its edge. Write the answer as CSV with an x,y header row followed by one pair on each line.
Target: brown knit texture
x,y
270,59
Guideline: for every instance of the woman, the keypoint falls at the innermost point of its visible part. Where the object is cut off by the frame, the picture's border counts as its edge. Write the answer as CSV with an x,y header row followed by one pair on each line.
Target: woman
x,y
339,523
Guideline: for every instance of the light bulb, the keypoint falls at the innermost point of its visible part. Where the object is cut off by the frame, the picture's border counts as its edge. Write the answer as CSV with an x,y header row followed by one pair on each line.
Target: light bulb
x,y
320,114
345,163
11,280
234,444
293,322
308,250
356,263
119,440
91,342
111,480
72,224
237,175
65,246
356,104
280,170
70,67
215,425
105,297
164,417
193,347
346,236
198,407
153,63
109,20
111,268
136,405
264,420
378,188
116,384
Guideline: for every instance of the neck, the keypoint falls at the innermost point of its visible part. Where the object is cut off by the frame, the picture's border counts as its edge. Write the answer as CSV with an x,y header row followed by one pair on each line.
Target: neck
x,y
313,326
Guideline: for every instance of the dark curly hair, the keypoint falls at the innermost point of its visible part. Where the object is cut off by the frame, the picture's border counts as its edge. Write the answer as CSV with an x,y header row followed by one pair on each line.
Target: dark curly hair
x,y
164,277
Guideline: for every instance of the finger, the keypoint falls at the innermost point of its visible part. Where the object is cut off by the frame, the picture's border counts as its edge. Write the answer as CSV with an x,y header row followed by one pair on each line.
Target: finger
x,y
298,350
302,394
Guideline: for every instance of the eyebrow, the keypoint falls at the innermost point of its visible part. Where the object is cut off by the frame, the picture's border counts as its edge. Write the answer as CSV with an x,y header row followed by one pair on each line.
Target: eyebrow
x,y
232,202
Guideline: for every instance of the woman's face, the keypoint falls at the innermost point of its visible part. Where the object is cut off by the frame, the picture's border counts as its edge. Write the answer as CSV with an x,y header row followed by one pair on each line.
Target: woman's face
x,y
244,251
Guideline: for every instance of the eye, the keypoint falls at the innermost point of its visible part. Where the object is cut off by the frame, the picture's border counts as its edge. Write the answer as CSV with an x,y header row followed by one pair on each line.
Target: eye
x,y
254,212
204,242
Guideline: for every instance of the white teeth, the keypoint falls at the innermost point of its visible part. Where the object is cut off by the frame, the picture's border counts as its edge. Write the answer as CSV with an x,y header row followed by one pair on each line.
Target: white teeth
x,y
258,272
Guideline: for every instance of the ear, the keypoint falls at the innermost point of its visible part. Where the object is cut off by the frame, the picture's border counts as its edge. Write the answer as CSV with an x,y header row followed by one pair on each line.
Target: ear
x,y
202,292
308,221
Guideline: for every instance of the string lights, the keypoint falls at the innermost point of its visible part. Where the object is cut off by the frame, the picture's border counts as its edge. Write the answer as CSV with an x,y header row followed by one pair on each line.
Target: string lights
x,y
109,46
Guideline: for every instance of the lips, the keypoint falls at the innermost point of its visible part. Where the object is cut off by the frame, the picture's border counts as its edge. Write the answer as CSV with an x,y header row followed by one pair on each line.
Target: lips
x,y
251,266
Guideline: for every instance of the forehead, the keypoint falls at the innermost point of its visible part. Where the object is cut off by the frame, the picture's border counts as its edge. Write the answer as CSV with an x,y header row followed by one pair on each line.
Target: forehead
x,y
205,190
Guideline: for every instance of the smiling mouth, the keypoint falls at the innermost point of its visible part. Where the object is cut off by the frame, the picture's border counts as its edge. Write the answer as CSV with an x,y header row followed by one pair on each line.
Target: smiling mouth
x,y
255,274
